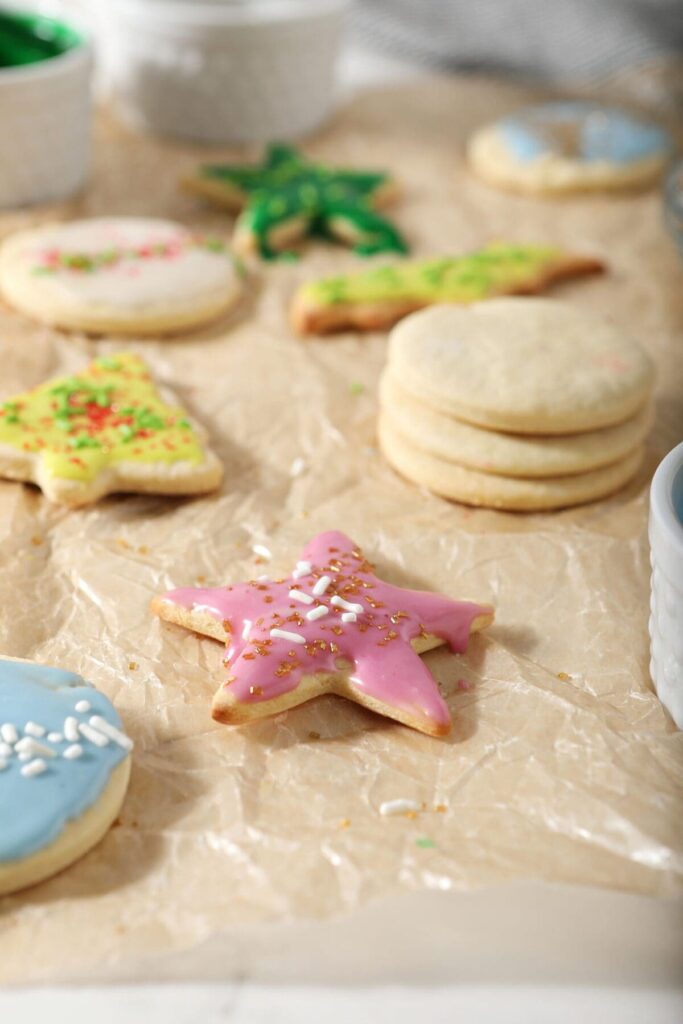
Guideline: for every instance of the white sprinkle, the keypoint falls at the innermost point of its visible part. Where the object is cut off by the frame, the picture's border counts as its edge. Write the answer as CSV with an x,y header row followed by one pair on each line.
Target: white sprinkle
x,y
348,606
284,634
27,745
72,752
71,729
25,755
83,707
321,585
298,595
3,764
33,729
5,750
349,617
302,569
297,467
246,628
98,738
55,737
317,613
261,550
9,732
401,806
36,767
109,730
264,577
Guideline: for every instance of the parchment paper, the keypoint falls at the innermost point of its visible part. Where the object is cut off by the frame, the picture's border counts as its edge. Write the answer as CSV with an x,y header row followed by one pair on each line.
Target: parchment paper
x,y
562,764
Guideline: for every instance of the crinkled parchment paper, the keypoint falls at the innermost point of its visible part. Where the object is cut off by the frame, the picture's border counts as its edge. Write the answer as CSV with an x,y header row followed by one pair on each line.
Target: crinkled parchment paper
x,y
562,764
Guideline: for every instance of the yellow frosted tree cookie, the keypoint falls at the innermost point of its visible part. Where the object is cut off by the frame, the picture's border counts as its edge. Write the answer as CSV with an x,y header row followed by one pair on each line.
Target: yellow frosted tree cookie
x,y
105,429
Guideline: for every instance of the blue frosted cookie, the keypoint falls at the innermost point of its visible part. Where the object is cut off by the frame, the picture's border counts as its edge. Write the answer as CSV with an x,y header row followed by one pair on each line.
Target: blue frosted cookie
x,y
570,147
64,768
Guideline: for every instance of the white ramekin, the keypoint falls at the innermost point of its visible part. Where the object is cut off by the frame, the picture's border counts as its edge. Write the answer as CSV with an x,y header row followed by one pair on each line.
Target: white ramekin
x,y
666,602
222,70
45,118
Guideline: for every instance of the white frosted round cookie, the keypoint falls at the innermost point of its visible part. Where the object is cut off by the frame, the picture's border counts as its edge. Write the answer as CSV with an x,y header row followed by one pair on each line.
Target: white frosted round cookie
x,y
517,455
569,147
64,769
492,490
529,366
119,275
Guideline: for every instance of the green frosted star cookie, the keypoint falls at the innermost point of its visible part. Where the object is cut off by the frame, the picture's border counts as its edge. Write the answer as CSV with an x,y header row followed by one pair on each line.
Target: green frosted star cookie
x,y
287,197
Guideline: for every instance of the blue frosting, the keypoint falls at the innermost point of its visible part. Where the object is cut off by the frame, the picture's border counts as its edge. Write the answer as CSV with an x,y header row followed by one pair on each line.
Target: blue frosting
x,y
584,131
35,809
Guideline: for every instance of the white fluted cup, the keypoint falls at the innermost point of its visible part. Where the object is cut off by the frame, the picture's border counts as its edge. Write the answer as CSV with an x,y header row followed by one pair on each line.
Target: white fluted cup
x,y
222,72
45,121
666,600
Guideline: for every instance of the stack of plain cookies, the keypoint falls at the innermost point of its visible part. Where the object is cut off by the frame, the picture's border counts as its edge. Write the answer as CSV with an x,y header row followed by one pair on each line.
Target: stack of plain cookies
x,y
523,404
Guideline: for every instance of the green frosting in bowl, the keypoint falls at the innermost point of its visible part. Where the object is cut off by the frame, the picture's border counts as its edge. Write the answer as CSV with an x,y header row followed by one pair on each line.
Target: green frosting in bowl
x,y
27,38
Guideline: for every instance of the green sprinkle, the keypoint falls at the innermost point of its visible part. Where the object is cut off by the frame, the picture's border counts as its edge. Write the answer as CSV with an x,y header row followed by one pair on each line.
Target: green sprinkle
x,y
127,432
356,388
425,843
185,424
214,245
84,441
109,364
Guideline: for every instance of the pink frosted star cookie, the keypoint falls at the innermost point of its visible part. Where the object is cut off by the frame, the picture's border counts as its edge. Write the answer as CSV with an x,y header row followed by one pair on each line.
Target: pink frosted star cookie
x,y
332,626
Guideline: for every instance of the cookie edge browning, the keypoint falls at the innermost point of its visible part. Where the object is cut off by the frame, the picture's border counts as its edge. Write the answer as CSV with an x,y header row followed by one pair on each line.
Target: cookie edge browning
x,y
231,712
152,322
307,317
228,711
411,463
76,839
570,179
124,478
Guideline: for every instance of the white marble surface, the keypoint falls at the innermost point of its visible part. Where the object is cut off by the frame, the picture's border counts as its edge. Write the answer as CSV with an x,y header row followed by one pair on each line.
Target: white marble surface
x,y
250,1004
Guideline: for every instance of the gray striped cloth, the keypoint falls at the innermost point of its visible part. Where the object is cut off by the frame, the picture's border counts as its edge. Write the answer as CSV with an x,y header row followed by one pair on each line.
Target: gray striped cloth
x,y
549,39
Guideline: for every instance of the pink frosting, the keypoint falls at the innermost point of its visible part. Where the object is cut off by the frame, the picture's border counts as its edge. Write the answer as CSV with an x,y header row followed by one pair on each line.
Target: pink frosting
x,y
377,643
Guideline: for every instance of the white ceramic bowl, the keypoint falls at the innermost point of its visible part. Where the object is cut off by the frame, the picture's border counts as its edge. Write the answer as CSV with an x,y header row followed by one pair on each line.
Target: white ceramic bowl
x,y
45,117
666,603
222,70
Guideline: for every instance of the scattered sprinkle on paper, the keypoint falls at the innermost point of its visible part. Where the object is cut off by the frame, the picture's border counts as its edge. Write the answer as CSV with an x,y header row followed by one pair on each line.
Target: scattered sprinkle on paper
x,y
356,388
425,843
399,806
464,684
564,677
345,823
297,468
262,551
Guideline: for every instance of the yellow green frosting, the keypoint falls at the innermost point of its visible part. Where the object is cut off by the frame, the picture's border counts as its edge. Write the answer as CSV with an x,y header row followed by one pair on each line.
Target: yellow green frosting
x,y
109,413
449,279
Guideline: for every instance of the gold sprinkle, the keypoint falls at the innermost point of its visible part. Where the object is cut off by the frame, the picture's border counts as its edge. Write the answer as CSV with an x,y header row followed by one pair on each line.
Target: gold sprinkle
x,y
256,691
314,735
564,677
133,666
441,808
201,579
345,823
123,543
143,550
36,541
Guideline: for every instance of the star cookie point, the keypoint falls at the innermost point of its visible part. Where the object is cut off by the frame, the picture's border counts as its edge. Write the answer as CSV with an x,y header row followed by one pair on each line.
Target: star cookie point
x,y
352,634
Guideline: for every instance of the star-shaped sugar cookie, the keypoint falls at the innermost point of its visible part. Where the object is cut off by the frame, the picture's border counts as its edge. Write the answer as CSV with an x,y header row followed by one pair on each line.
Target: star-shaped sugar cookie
x,y
287,197
107,428
332,626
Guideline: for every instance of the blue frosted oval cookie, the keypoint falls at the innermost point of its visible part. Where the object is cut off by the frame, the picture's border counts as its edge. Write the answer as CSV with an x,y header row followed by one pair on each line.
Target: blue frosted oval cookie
x,y
570,147
64,768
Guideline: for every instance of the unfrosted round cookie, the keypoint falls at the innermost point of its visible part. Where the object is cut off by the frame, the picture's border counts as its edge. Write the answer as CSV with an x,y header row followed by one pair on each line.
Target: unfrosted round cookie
x,y
492,490
569,147
529,366
119,275
515,455
64,768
